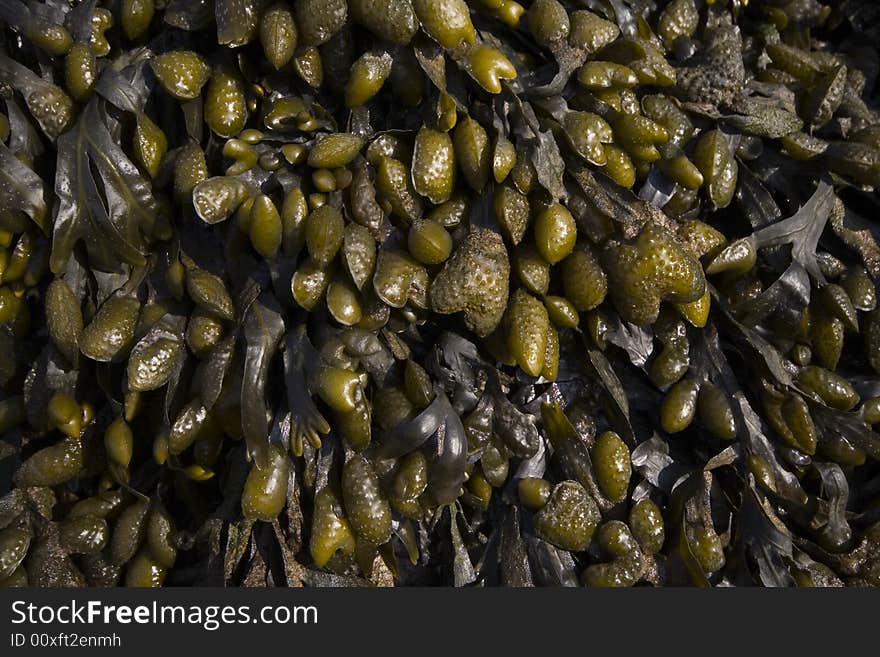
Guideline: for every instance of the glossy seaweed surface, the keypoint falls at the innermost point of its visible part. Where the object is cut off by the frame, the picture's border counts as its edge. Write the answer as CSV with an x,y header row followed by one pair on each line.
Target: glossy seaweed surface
x,y
439,292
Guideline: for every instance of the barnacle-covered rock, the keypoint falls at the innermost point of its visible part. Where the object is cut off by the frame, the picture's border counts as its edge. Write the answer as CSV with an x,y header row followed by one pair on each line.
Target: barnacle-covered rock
x,y
716,74
474,282
654,268
569,518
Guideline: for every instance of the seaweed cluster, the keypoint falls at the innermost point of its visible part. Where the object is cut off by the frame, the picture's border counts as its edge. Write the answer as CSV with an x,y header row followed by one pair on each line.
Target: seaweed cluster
x,y
457,292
